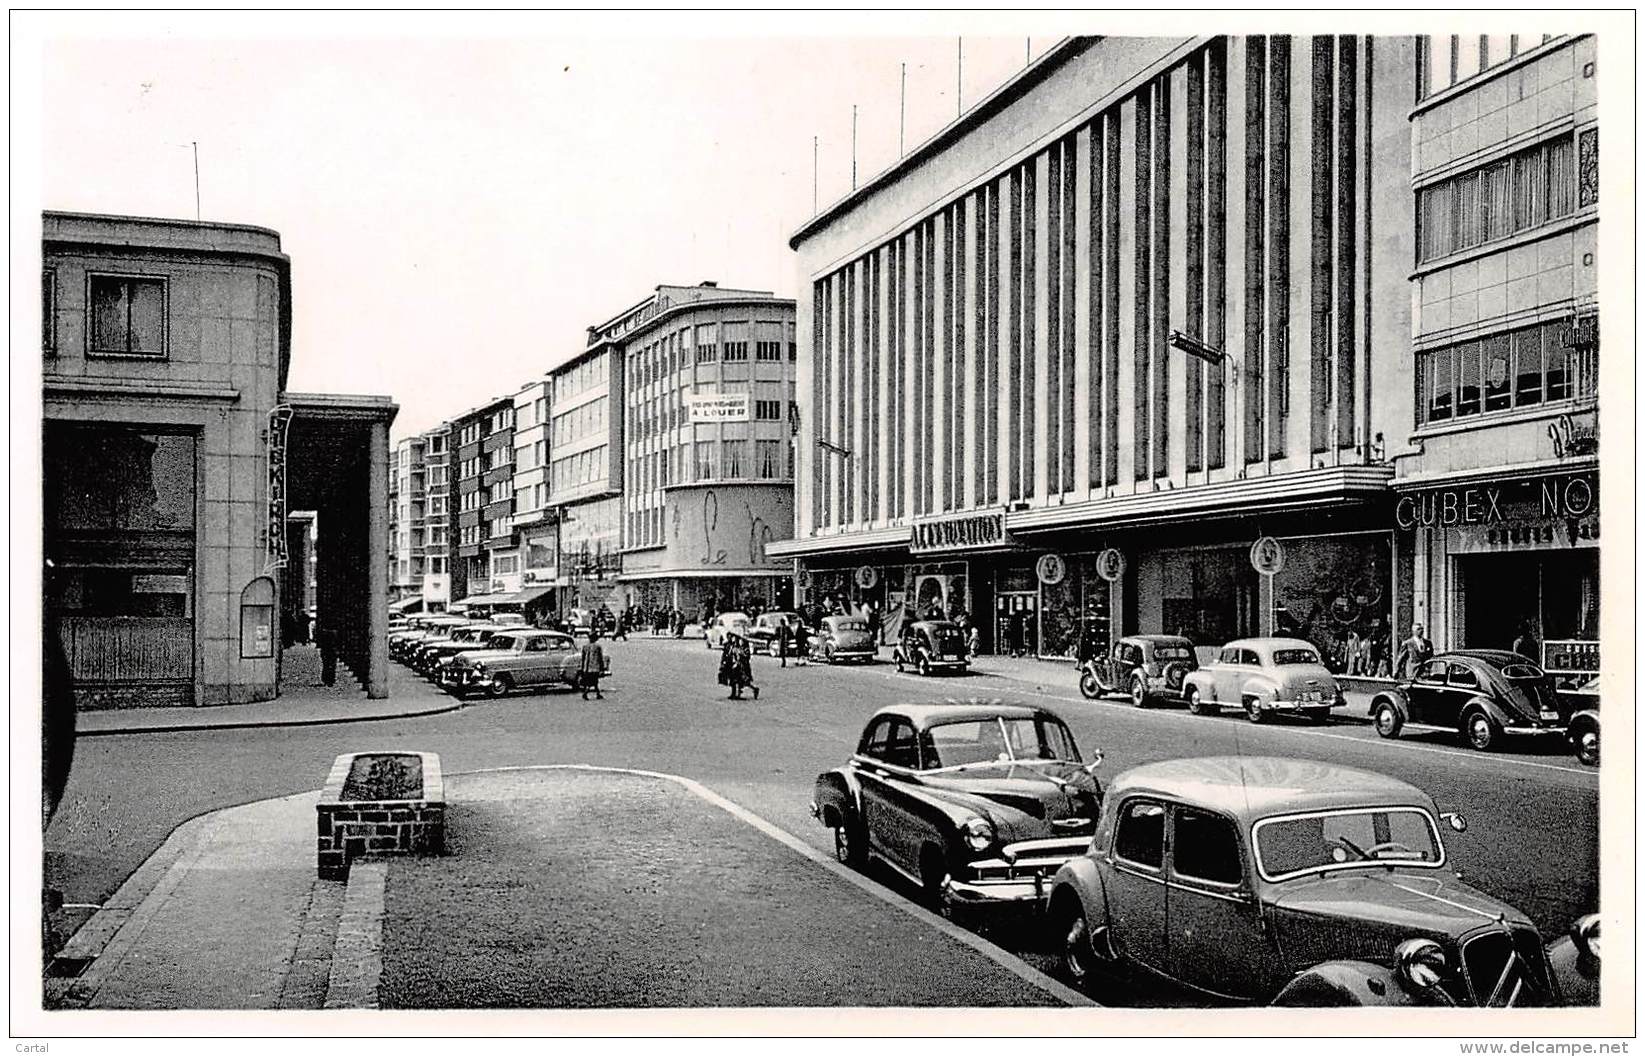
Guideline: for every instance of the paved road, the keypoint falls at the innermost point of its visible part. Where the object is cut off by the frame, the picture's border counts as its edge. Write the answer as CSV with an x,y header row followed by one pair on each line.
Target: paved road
x,y
1533,812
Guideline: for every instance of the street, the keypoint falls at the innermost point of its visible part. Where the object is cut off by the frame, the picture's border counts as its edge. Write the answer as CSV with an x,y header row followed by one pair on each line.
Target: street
x,y
1532,811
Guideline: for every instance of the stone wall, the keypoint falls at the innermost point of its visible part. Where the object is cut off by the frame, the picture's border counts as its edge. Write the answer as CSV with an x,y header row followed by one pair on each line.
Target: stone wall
x,y
354,829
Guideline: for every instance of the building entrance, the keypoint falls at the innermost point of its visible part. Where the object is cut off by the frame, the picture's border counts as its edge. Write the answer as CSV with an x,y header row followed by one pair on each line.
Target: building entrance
x,y
1016,622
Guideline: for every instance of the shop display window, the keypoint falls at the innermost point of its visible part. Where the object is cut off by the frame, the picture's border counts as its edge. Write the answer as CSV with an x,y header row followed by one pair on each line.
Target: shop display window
x,y
1334,591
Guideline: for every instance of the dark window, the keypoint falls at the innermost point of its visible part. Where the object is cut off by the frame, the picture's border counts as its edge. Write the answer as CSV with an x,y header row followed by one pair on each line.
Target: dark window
x,y
736,351
1432,673
768,350
128,315
1463,676
1205,847
903,749
768,410
48,310
1140,837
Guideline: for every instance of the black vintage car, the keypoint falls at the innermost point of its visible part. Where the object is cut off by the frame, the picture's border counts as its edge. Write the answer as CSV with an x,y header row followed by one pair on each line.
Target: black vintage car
x,y
977,802
1146,668
1480,694
930,645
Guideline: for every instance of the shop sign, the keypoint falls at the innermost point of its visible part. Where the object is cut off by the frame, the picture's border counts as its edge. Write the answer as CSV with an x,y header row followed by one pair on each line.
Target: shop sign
x,y
1111,565
1570,657
1554,497
1573,438
717,407
868,577
965,532
1528,534
1267,556
277,433
1051,569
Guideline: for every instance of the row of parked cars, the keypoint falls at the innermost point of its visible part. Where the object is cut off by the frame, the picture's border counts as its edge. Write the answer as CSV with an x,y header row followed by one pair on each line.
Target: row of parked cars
x,y
1484,696
1238,880
492,657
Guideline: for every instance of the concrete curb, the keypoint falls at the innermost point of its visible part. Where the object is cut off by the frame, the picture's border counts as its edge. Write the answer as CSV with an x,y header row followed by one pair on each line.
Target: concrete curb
x,y
357,958
172,728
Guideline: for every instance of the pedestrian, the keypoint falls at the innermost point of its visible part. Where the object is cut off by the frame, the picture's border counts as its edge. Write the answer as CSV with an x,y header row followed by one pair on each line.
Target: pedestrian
x,y
1018,626
802,648
1525,644
781,640
621,631
1413,653
735,669
593,665
973,640
328,654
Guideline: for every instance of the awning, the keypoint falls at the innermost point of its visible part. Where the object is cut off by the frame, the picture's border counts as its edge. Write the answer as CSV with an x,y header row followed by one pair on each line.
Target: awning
x,y
506,598
483,600
405,604
530,595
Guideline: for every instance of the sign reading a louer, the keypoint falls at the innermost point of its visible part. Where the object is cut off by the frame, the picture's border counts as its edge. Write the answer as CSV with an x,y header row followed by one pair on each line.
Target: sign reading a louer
x,y
959,532
717,407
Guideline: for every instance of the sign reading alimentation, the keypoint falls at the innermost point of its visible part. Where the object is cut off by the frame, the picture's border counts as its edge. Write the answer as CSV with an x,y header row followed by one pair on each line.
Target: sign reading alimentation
x,y
961,532
717,407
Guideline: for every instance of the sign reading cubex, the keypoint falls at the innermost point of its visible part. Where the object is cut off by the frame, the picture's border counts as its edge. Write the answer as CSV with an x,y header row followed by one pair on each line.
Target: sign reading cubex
x,y
959,532
717,407
1489,504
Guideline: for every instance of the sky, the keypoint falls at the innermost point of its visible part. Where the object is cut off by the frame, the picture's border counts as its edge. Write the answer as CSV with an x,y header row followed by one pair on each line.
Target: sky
x,y
459,209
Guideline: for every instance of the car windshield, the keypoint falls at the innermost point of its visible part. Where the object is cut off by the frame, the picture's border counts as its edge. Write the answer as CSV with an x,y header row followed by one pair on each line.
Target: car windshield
x,y
1296,656
994,739
1173,653
850,625
1291,845
501,642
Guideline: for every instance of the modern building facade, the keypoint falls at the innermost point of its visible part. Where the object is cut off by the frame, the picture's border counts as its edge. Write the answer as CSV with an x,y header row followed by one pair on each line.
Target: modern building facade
x,y
174,459
407,499
1066,363
536,559
1499,486
436,585
708,387
585,474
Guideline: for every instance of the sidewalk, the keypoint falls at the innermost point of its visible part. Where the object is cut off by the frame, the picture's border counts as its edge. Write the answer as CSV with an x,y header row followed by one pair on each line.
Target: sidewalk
x,y
304,702
561,888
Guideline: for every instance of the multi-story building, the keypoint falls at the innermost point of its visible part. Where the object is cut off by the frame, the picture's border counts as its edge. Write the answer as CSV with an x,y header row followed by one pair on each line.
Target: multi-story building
x,y
407,496
482,446
1499,485
708,386
183,484
1077,354
502,552
535,525
436,579
585,473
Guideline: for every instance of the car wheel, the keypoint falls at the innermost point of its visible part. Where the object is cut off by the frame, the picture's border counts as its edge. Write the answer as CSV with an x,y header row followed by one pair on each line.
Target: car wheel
x,y
925,666
933,872
1478,730
501,685
1587,748
898,658
1195,705
849,845
1139,692
1387,720
1089,687
1253,711
1076,957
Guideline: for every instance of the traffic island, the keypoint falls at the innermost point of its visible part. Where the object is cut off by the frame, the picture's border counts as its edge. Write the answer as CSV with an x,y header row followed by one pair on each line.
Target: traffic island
x,y
377,804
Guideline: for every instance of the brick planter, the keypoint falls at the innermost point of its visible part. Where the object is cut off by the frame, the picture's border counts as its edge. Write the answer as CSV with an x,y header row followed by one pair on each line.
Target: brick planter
x,y
411,824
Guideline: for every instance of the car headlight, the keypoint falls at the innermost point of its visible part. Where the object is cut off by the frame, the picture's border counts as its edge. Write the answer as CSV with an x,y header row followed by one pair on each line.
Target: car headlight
x,y
479,667
1421,962
978,833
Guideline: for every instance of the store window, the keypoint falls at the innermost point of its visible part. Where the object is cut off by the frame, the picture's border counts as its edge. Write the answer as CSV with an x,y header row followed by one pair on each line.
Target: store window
x,y
1553,360
1335,592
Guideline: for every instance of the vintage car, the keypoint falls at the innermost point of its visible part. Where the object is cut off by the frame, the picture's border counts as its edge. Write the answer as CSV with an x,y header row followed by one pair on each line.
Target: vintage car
x,y
977,802
524,659
402,643
723,625
516,619
930,645
1146,667
430,653
580,622
1252,880
762,633
1480,694
844,638
1264,677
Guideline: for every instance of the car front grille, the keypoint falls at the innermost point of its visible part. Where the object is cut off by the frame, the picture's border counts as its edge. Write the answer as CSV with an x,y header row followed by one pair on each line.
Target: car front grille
x,y
1506,969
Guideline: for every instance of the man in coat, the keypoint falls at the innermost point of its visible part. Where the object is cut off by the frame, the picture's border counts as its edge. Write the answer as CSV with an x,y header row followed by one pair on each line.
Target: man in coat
x,y
593,665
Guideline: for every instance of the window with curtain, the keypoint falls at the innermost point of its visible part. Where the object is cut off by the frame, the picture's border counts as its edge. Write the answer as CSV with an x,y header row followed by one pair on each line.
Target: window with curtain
x,y
705,460
128,315
1499,199
768,459
1521,368
734,458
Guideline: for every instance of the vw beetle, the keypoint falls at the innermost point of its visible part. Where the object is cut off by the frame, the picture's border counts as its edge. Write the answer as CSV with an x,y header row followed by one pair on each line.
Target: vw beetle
x,y
1253,880
1481,694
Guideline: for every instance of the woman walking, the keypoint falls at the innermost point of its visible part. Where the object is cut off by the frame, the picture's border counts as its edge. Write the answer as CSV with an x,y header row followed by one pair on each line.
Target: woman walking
x,y
735,668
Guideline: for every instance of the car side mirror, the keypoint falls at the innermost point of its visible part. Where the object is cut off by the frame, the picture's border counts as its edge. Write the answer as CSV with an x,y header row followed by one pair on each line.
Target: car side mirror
x,y
1455,821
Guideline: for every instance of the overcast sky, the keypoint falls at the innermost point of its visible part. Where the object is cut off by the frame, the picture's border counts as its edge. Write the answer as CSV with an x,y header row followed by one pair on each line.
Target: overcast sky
x,y
458,211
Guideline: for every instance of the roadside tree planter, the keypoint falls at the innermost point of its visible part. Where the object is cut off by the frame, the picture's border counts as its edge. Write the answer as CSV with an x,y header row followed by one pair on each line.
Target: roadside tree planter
x,y
380,803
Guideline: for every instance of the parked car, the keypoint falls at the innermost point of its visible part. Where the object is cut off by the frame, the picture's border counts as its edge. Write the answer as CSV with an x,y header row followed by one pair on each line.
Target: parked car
x,y
429,655
978,802
1265,677
844,638
517,619
762,632
929,645
1147,667
414,652
1583,729
524,659
1480,694
722,625
1251,880
580,622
